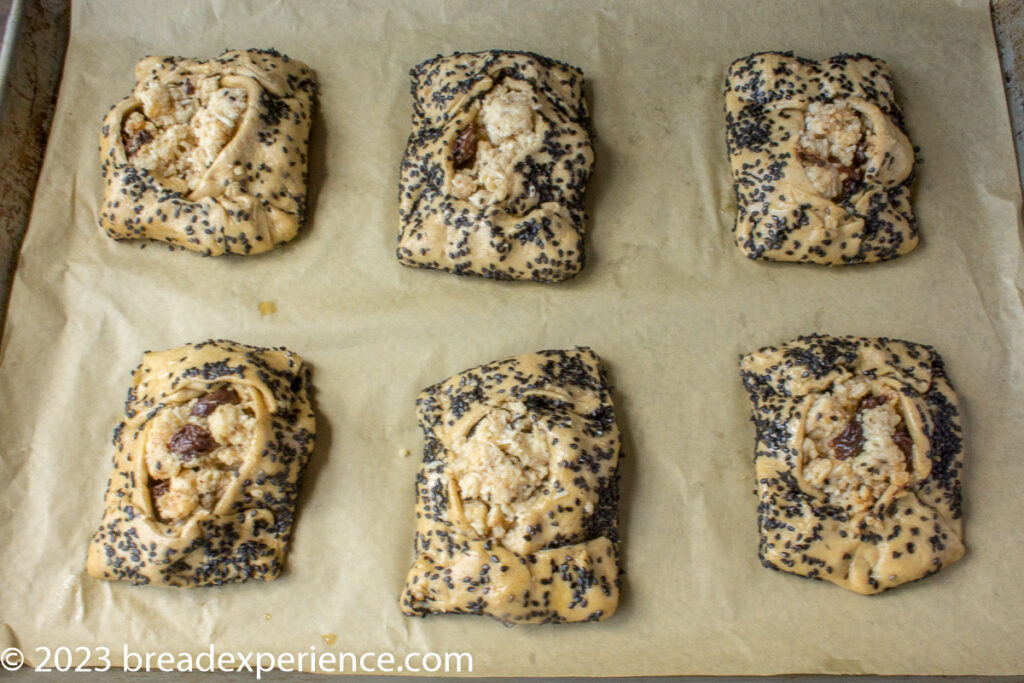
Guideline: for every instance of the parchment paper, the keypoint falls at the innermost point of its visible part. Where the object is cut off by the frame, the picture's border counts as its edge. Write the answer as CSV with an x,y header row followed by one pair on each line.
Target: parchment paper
x,y
666,299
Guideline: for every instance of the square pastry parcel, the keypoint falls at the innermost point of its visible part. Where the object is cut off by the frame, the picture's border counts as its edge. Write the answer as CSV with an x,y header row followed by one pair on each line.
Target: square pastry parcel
x,y
495,168
210,154
207,465
821,161
517,496
859,456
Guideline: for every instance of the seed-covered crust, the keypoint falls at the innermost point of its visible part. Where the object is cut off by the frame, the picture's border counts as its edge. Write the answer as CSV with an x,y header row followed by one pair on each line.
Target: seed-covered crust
x,y
821,161
207,466
859,457
210,154
496,166
517,494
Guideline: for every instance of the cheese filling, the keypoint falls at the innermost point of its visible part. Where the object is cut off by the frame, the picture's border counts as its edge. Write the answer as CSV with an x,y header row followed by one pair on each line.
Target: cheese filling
x,y
485,157
856,448
500,467
181,128
193,452
832,147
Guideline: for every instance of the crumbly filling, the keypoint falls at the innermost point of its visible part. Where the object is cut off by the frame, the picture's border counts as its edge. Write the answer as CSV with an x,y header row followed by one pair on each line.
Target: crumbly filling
x,y
832,147
485,151
181,128
193,452
499,467
857,449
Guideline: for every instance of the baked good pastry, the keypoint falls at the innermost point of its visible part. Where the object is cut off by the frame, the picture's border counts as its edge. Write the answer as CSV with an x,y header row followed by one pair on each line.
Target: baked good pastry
x,y
496,165
821,161
207,466
859,456
517,495
210,154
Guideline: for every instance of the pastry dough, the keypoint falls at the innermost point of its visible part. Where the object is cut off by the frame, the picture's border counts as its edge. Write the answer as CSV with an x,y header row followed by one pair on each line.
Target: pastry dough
x,y
210,155
496,166
859,457
821,161
517,494
207,464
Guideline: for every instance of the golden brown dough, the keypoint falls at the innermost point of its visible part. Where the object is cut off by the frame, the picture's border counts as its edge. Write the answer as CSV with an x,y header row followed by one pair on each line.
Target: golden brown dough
x,y
821,161
210,154
207,465
517,494
859,457
496,166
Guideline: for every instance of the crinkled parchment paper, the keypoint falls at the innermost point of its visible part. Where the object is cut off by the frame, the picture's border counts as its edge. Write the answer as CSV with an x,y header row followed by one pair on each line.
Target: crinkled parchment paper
x,y
666,299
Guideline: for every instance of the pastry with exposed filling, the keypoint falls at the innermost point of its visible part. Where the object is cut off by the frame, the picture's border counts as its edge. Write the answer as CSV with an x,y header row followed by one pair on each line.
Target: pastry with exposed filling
x,y
496,166
516,499
859,456
821,161
210,154
207,466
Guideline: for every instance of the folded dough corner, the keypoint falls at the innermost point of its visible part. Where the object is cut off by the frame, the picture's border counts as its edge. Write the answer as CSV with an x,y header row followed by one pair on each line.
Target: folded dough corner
x,y
210,154
517,495
207,466
859,456
821,162
496,166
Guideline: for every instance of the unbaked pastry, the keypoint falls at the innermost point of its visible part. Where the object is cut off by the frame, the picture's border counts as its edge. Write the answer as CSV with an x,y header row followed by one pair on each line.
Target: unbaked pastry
x,y
210,155
859,456
821,161
207,465
517,494
496,166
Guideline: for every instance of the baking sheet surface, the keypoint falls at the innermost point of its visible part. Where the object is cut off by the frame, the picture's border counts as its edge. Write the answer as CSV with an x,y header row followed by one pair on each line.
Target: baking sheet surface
x,y
666,299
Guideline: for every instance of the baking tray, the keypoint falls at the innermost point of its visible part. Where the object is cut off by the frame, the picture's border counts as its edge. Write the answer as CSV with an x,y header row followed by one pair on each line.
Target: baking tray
x,y
1005,13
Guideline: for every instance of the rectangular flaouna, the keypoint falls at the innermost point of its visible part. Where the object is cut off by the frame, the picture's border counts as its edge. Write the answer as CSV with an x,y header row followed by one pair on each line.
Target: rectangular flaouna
x,y
210,154
821,161
207,466
496,166
516,499
859,456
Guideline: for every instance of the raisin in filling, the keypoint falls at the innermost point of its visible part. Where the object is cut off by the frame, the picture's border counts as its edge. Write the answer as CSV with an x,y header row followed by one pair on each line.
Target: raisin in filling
x,y
194,451
180,128
832,148
857,450
484,153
